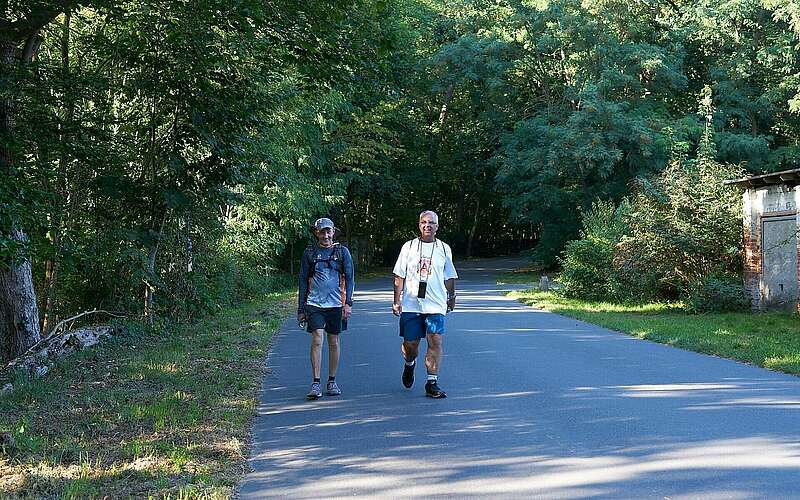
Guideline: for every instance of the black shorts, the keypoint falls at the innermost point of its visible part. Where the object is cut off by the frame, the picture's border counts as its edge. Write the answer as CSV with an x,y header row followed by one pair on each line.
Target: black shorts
x,y
327,318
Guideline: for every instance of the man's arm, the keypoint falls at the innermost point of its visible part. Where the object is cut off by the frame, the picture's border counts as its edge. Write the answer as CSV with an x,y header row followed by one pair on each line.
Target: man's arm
x,y
399,282
349,283
451,294
400,268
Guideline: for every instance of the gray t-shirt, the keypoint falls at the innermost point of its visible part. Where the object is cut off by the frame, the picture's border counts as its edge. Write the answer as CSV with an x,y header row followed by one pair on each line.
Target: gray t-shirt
x,y
320,272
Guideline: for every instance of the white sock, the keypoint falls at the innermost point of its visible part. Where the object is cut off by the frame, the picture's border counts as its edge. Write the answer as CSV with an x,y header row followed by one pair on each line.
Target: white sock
x,y
411,363
432,377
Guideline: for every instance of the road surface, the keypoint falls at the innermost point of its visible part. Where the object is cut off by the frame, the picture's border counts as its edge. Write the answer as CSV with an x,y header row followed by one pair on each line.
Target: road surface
x,y
539,406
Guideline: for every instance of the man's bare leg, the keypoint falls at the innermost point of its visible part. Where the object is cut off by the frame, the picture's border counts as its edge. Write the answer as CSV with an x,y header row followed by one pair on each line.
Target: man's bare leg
x,y
433,355
333,354
316,362
410,351
433,359
316,352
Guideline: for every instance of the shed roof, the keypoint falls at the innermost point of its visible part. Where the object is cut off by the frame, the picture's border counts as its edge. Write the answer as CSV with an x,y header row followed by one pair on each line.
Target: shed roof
x,y
789,177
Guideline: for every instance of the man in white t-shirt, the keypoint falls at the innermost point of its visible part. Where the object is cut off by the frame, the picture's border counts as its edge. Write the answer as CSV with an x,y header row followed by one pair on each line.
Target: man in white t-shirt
x,y
425,277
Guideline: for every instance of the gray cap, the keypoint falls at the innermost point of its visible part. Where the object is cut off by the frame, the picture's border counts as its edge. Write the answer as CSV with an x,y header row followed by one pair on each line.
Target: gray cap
x,y
323,223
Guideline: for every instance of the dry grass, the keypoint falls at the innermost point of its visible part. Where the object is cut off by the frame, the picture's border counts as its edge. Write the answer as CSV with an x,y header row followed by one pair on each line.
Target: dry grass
x,y
154,413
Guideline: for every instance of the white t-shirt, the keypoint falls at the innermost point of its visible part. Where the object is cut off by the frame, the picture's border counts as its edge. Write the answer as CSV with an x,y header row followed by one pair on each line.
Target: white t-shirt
x,y
431,262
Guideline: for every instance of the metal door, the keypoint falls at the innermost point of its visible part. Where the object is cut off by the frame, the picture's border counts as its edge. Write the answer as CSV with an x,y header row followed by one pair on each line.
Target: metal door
x,y
779,254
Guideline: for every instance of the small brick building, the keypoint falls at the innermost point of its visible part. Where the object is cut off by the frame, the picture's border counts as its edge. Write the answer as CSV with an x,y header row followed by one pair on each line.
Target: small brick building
x,y
771,273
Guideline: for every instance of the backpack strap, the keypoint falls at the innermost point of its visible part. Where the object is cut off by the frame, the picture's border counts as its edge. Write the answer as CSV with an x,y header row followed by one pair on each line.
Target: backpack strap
x,y
339,258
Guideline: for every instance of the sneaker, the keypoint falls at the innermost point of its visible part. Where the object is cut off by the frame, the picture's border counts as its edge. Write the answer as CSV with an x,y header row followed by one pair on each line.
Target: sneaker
x,y
333,389
315,392
432,390
408,375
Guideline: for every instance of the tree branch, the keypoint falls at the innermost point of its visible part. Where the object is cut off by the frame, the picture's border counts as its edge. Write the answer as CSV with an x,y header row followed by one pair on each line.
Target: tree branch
x,y
31,47
55,331
40,16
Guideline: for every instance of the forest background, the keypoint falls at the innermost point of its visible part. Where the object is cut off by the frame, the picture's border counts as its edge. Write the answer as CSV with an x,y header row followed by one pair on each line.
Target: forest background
x,y
166,158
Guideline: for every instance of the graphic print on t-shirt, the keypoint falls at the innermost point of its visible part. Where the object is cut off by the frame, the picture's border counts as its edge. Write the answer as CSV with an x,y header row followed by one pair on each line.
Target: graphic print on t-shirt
x,y
424,268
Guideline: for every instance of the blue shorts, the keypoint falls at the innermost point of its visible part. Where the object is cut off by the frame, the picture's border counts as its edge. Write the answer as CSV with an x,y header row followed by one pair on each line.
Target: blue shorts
x,y
415,326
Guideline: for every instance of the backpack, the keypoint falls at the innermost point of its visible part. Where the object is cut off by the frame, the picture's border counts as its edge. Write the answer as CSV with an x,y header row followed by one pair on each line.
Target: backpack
x,y
335,256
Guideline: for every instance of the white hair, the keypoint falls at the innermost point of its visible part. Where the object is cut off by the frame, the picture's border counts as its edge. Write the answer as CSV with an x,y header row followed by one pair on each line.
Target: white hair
x,y
431,213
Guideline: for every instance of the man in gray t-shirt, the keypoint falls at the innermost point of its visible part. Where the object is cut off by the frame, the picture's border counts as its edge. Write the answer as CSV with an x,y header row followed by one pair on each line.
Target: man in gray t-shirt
x,y
325,296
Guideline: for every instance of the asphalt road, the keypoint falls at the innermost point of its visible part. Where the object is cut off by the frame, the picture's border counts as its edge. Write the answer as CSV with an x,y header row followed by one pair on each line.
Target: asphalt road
x,y
539,406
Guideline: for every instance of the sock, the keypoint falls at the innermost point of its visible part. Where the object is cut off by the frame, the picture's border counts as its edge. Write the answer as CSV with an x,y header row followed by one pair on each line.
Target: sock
x,y
316,379
432,377
411,363
331,378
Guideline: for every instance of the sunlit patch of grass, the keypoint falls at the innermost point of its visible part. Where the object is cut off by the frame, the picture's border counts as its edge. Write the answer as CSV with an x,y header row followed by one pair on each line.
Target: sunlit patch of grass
x,y
771,340
163,414
173,411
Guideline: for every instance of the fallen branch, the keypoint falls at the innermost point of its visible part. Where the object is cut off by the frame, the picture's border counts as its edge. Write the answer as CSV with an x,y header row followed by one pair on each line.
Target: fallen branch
x,y
38,360
54,331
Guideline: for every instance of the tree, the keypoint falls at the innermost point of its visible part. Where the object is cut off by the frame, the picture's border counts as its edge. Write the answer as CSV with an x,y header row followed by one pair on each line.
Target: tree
x,y
20,27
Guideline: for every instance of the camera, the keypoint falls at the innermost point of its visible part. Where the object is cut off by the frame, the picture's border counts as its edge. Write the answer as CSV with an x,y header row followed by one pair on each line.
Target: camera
x,y
423,287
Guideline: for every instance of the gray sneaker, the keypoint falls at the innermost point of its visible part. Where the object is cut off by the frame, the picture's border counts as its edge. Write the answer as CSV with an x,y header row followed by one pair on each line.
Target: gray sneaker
x,y
333,389
315,392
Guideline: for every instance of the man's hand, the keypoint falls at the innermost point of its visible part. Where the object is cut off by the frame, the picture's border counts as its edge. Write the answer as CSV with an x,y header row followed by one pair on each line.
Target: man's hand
x,y
397,308
301,317
346,310
451,303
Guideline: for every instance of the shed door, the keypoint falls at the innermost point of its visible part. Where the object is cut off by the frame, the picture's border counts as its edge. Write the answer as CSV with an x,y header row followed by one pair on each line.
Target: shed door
x,y
779,249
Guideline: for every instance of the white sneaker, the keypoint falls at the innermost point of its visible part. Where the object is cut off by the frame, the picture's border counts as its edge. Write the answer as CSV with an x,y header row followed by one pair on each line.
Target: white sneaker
x,y
315,392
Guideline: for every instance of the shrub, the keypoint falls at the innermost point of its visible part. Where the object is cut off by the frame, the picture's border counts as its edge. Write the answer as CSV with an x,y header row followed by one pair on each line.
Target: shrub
x,y
716,293
587,270
684,224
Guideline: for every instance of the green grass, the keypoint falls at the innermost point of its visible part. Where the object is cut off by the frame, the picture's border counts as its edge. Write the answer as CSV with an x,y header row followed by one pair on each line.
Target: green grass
x,y
161,413
770,340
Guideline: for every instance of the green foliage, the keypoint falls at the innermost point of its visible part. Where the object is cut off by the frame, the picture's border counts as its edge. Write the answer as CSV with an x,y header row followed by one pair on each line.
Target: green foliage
x,y
684,224
587,266
184,148
716,293
605,87
678,229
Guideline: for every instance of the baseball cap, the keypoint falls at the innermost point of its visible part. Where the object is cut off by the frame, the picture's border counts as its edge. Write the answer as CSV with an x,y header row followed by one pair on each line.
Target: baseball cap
x,y
323,223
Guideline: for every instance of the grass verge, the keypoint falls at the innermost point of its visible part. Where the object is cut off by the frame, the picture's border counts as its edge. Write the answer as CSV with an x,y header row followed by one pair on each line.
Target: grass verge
x,y
770,340
150,414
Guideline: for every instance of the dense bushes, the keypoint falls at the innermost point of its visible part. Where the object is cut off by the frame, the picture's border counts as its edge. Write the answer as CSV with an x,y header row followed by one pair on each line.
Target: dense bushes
x,y
676,236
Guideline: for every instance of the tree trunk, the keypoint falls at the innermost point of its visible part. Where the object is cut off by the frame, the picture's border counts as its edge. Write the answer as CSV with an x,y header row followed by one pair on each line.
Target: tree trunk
x,y
474,228
50,279
434,145
19,314
150,288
